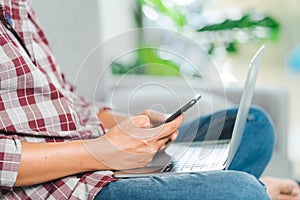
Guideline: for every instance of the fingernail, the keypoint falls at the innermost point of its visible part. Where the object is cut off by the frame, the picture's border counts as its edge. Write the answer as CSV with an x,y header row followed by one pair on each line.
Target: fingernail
x,y
295,191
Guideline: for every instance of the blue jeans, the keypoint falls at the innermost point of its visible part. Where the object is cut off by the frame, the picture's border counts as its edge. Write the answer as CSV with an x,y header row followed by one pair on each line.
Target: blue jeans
x,y
239,182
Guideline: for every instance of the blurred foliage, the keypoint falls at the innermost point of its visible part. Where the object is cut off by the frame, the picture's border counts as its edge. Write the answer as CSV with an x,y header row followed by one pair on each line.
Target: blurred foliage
x,y
249,23
254,26
174,12
245,22
147,62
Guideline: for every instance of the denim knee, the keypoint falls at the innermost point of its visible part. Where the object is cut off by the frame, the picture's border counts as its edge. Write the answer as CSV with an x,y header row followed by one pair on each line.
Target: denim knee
x,y
246,186
258,116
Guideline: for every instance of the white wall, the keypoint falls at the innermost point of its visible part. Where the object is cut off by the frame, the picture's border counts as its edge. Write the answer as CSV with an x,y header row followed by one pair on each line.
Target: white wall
x,y
75,27
73,30
116,16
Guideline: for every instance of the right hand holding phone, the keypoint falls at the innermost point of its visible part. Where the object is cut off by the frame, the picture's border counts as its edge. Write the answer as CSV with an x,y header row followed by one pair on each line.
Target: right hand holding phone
x,y
133,142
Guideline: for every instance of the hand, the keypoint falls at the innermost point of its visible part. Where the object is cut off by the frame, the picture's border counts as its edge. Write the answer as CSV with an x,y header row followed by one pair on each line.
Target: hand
x,y
131,144
156,119
110,119
281,189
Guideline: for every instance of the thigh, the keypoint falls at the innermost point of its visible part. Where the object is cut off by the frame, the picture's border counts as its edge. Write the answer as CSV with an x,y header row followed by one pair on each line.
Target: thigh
x,y
206,185
216,126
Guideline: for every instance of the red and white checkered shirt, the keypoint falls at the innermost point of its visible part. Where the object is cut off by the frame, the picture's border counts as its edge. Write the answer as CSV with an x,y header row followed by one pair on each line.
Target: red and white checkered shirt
x,y
38,105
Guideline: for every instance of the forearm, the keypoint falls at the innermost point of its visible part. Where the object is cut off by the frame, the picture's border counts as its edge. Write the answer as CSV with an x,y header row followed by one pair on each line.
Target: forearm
x,y
43,162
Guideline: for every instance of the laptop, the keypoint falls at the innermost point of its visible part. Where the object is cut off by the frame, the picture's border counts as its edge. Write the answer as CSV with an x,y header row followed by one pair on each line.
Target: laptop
x,y
183,157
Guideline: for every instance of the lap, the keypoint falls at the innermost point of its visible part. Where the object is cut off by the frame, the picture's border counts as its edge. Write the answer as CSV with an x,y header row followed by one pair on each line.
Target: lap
x,y
204,185
215,184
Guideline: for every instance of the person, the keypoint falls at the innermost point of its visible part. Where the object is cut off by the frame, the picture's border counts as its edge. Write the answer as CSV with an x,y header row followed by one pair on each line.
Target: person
x,y
54,144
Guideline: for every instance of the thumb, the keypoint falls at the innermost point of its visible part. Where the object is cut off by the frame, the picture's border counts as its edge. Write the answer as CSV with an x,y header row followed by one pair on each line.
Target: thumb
x,y
141,121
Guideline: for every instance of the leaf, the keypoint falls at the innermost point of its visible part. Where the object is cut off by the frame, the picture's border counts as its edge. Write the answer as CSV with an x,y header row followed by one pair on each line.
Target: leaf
x,y
231,47
247,21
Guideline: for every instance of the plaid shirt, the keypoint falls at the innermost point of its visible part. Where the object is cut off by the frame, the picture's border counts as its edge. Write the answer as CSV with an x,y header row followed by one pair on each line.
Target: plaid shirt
x,y
38,105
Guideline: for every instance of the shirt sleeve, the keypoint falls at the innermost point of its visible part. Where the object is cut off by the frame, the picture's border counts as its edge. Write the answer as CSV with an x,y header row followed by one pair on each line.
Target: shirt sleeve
x,y
102,106
10,157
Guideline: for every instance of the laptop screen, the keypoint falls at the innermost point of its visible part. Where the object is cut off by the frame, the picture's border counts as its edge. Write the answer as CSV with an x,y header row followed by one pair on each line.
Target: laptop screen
x,y
245,103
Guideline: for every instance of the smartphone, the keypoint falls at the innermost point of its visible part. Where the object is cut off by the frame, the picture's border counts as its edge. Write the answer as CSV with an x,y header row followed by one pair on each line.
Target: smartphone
x,y
184,108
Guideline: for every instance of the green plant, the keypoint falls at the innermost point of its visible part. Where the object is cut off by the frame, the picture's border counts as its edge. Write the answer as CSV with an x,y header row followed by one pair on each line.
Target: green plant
x,y
250,23
253,25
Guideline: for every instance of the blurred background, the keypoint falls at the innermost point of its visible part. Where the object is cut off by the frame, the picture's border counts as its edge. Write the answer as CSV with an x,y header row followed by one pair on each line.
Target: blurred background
x,y
230,31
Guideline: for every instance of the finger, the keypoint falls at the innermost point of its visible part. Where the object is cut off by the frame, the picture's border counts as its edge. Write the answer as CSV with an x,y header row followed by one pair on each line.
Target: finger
x,y
174,136
156,118
171,139
141,121
167,129
164,146
154,134
161,144
167,140
296,190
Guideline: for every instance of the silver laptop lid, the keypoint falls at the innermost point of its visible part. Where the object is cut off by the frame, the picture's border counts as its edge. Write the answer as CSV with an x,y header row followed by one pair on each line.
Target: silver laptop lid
x,y
245,103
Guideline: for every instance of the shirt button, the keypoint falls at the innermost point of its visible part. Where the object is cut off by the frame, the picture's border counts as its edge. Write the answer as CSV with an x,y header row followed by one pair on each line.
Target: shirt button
x,y
8,19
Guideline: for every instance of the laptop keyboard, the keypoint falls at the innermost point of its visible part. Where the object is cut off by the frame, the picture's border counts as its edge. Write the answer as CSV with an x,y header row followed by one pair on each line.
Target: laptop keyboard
x,y
200,156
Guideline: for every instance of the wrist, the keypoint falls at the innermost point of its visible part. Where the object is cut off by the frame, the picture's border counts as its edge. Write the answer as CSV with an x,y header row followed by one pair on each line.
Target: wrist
x,y
92,163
